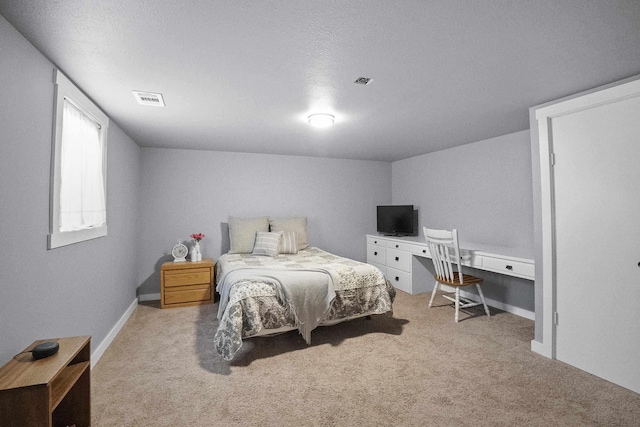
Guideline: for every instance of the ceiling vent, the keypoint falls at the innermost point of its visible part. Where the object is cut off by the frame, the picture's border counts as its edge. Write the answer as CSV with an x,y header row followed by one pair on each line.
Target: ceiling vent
x,y
148,98
363,81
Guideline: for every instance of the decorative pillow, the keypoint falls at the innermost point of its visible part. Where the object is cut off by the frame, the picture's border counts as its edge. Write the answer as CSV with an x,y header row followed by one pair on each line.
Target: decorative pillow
x,y
267,243
288,243
242,233
297,224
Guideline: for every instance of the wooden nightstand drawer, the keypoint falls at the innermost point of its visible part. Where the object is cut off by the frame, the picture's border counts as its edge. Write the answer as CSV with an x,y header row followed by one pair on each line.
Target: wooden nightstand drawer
x,y
188,294
187,277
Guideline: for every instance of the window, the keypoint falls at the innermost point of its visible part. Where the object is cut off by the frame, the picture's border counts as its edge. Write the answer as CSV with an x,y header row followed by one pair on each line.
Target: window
x,y
79,175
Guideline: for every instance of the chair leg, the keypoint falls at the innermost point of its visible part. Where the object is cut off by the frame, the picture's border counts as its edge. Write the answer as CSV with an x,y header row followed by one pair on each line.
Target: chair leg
x,y
433,294
457,302
486,309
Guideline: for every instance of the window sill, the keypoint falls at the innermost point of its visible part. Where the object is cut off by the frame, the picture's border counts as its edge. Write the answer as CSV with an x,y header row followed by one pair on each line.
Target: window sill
x,y
57,240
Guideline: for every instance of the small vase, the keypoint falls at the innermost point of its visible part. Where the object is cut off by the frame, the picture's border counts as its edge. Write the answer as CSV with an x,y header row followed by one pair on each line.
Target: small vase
x,y
194,254
197,249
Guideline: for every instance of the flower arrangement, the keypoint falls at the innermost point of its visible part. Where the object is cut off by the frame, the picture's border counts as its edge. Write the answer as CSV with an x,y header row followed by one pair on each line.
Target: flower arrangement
x,y
197,236
196,254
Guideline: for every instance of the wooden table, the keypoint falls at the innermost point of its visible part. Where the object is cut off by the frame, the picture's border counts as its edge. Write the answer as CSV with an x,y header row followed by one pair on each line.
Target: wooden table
x,y
54,391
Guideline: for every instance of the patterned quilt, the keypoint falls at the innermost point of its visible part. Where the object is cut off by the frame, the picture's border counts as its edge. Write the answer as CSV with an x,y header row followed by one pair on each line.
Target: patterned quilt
x,y
253,305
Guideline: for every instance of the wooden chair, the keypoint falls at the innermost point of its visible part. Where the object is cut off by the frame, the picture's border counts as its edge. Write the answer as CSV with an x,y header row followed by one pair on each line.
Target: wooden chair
x,y
445,252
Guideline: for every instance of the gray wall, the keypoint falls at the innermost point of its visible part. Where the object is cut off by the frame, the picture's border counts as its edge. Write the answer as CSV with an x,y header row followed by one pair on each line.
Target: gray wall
x,y
483,189
189,191
82,289
156,196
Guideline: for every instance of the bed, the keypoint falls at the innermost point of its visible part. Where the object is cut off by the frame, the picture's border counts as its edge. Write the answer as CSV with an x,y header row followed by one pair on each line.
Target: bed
x,y
256,289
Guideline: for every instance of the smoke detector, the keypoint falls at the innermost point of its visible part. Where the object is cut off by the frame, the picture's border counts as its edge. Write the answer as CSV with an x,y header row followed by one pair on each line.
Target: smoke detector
x,y
149,98
363,80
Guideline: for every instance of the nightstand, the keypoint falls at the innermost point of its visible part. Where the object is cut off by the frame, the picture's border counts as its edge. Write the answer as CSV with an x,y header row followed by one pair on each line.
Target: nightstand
x,y
186,283
54,391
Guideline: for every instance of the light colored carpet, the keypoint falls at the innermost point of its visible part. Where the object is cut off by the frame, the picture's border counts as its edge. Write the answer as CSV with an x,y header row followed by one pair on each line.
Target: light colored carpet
x,y
417,368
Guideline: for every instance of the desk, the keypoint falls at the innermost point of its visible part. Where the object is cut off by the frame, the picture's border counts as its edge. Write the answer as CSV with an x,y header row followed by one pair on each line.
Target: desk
x,y
396,257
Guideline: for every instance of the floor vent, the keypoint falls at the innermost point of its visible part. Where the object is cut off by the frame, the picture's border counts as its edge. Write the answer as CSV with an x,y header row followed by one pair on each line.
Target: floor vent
x,y
149,98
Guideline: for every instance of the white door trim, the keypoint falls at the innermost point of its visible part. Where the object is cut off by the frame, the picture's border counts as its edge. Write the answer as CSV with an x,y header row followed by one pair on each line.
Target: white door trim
x,y
544,115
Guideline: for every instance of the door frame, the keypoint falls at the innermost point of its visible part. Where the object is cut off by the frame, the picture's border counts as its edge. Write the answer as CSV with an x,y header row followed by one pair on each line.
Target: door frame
x,y
544,115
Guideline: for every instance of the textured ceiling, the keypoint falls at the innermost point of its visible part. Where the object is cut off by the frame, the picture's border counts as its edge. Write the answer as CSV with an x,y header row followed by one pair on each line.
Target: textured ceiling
x,y
244,75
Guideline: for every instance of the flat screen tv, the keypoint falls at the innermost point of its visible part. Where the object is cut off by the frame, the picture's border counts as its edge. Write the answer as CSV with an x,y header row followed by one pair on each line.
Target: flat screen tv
x,y
397,220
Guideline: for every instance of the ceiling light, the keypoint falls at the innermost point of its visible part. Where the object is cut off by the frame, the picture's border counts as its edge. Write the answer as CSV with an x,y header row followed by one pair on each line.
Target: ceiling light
x,y
321,120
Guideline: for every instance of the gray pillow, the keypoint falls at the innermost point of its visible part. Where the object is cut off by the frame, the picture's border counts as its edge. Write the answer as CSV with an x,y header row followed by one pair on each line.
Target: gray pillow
x,y
267,243
296,224
242,233
288,243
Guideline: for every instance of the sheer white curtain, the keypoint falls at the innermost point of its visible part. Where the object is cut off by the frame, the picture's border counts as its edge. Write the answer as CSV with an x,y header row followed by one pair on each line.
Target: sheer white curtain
x,y
82,198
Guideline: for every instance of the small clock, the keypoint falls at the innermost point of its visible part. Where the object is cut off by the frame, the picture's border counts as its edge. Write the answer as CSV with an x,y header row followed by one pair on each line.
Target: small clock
x,y
179,252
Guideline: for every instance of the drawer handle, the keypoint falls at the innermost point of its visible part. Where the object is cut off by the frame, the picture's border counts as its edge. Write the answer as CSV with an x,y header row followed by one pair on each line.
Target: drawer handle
x,y
397,259
375,253
397,279
509,267
375,241
424,251
397,246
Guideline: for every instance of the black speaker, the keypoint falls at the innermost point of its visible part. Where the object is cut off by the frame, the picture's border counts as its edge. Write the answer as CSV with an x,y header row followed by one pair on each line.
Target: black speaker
x,y
45,349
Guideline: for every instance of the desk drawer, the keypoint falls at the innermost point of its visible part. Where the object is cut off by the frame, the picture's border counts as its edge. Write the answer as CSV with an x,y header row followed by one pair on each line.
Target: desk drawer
x,y
509,267
376,254
375,241
421,250
401,246
399,279
399,260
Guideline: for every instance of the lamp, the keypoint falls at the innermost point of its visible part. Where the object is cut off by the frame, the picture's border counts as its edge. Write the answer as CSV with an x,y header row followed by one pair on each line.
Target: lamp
x,y
321,120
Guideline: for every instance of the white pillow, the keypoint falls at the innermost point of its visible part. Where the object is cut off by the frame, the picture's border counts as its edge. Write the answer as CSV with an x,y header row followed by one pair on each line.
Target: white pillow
x,y
296,224
288,243
242,233
267,243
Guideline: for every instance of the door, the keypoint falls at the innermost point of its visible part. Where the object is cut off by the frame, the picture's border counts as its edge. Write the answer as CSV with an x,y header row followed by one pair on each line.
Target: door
x,y
596,194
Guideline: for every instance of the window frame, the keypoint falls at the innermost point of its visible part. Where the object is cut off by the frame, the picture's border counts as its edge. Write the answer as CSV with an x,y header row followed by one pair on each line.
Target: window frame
x,y
64,88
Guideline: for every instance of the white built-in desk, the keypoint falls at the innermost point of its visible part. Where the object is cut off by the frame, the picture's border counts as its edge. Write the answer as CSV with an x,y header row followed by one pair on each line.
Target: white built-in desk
x,y
396,257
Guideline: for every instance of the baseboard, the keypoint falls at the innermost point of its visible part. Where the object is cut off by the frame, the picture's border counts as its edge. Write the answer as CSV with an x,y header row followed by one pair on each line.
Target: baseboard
x,y
537,347
493,303
99,351
149,297
542,349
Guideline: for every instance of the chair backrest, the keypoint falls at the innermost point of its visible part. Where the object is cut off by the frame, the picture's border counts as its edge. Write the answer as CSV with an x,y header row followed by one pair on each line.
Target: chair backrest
x,y
445,251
